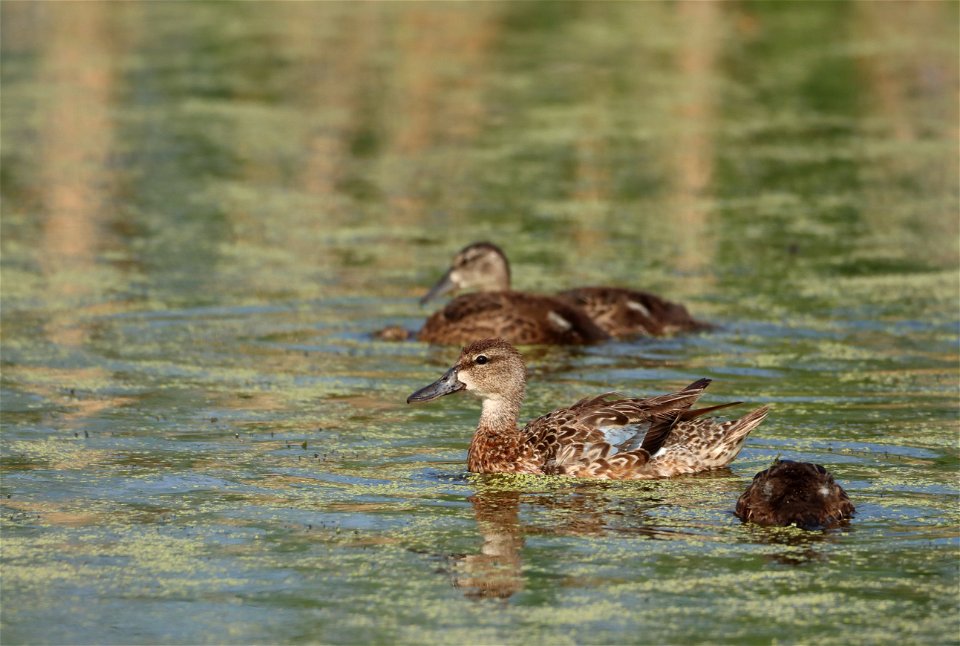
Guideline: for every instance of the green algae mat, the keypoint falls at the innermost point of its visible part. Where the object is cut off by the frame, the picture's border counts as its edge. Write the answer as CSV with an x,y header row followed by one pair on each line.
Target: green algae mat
x,y
210,209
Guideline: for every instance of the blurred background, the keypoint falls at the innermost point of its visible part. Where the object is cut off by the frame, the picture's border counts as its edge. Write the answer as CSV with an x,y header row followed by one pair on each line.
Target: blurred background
x,y
208,210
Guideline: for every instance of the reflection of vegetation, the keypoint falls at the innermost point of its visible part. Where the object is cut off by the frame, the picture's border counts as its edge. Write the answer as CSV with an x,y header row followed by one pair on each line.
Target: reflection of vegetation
x,y
799,545
206,209
588,510
496,571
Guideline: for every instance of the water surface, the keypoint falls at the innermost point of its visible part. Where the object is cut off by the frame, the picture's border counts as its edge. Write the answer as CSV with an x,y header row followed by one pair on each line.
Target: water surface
x,y
210,209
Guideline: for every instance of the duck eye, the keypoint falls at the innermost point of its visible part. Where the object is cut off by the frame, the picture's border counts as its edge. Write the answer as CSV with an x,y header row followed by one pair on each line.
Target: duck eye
x,y
481,359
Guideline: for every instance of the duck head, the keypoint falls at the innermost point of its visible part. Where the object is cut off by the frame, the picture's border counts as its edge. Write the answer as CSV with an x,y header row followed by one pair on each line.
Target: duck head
x,y
492,369
481,266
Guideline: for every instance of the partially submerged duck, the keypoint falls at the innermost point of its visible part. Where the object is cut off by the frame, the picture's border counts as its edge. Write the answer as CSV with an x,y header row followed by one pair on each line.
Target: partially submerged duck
x,y
794,493
606,436
581,315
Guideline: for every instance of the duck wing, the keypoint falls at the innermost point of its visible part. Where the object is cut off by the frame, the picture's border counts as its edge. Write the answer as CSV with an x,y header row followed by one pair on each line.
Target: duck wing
x,y
606,436
624,312
700,443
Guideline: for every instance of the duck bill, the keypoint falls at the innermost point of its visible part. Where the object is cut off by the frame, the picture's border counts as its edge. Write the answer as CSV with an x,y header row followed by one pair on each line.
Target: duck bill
x,y
444,286
445,385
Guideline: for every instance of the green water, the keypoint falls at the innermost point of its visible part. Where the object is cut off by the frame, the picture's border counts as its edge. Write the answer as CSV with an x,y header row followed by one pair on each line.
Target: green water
x,y
208,209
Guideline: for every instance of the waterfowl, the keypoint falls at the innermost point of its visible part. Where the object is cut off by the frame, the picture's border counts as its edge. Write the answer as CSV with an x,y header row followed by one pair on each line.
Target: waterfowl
x,y
794,493
622,312
497,311
525,319
614,311
606,436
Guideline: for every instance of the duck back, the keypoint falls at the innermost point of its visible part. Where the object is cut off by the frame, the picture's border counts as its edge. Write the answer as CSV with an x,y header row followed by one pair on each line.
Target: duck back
x,y
517,317
627,312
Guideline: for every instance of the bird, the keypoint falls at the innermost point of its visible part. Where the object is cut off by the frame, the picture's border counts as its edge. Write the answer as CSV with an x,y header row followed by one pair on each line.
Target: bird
x,y
524,319
795,493
605,437
496,310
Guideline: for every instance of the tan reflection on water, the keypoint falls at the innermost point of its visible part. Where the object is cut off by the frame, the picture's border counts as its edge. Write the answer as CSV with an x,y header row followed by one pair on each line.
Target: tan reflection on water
x,y
339,71
435,107
915,96
691,160
398,83
76,136
78,77
685,160
908,91
439,103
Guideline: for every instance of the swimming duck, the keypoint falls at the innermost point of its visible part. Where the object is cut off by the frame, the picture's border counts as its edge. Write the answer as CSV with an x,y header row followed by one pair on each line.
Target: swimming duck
x,y
525,319
606,436
794,493
518,316
497,311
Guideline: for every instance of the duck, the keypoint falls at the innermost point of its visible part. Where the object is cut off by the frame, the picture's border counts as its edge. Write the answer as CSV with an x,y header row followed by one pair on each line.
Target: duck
x,y
606,436
795,493
524,319
579,315
497,311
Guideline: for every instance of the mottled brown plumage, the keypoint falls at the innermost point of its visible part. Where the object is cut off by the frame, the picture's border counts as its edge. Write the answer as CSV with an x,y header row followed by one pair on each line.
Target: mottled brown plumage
x,y
522,318
794,493
628,312
606,436
582,315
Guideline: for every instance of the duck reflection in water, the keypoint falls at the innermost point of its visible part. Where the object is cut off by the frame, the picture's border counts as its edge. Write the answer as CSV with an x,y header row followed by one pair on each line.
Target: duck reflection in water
x,y
494,573
576,316
583,509
793,546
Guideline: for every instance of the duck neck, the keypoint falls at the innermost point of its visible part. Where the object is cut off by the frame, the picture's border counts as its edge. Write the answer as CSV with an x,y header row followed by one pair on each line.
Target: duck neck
x,y
494,283
496,444
500,415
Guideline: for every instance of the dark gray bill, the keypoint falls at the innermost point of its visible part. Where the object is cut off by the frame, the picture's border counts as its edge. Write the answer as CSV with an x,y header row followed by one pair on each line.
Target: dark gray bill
x,y
445,385
444,285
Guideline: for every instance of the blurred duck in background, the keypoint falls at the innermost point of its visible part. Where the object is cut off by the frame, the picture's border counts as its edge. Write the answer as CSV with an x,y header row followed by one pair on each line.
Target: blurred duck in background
x,y
497,311
580,315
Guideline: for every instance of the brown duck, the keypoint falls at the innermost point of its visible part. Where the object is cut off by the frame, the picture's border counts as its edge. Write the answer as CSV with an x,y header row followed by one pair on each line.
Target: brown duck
x,y
795,493
524,319
581,315
606,436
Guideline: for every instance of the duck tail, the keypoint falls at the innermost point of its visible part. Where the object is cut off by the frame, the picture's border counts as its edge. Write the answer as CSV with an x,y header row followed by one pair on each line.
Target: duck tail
x,y
694,413
734,433
668,406
672,404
